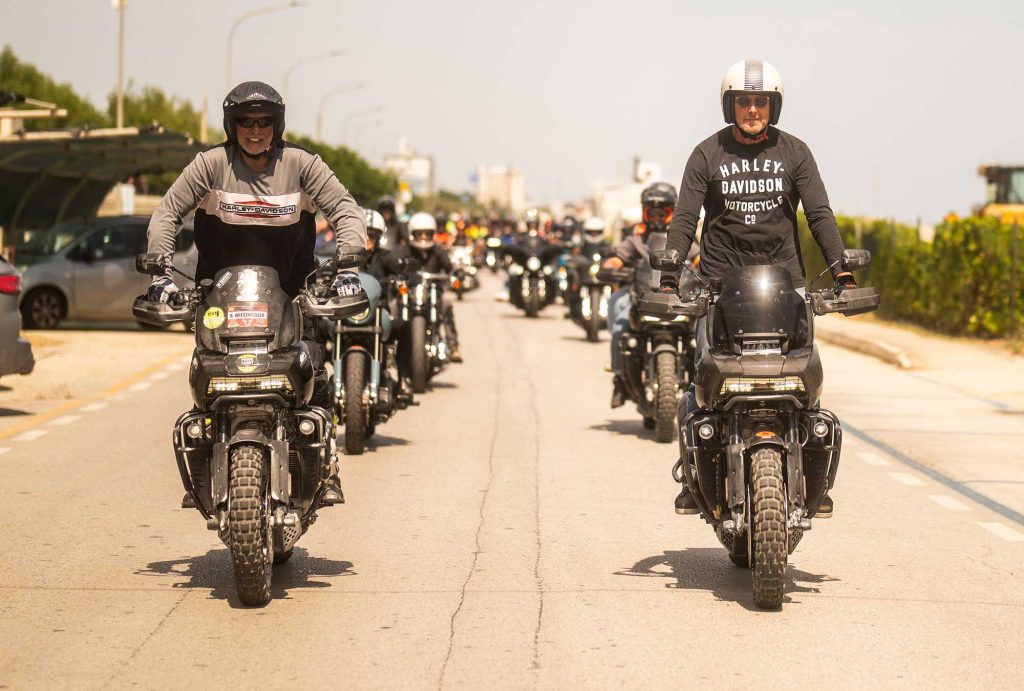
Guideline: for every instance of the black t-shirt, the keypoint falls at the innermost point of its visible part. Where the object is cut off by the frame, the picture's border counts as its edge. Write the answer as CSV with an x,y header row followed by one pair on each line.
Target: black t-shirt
x,y
750,194
433,260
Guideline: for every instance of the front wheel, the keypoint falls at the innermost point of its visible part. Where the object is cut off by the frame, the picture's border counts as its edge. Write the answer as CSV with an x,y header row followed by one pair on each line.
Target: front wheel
x,y
594,323
355,406
668,383
249,537
533,301
418,353
769,539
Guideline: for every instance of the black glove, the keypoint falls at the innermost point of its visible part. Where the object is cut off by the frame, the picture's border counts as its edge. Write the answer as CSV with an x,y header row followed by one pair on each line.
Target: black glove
x,y
161,290
669,284
842,283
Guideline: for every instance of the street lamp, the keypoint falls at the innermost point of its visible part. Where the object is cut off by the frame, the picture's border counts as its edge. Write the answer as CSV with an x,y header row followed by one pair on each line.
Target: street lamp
x,y
359,113
253,13
323,104
302,61
119,5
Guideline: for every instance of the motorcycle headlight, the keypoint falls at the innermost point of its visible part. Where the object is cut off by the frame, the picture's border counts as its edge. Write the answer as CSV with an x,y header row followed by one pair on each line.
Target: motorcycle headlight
x,y
547,270
594,268
533,264
515,270
263,382
761,385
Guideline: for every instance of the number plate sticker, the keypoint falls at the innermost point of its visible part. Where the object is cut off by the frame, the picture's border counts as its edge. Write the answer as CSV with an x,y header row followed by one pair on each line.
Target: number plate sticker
x,y
762,348
213,318
247,315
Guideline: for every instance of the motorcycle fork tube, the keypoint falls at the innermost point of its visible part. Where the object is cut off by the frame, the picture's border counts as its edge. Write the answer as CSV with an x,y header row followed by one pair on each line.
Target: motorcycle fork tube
x,y
794,466
376,358
339,378
736,488
279,470
219,461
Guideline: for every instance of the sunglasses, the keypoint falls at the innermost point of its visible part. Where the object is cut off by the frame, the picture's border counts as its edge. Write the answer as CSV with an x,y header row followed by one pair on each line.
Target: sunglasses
x,y
249,122
757,101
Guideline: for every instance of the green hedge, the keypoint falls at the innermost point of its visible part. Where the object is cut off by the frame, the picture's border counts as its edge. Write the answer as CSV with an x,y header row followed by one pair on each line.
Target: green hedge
x,y
961,283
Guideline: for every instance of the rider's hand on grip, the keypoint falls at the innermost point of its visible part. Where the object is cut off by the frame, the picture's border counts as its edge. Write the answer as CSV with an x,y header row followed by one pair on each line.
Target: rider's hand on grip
x,y
346,285
161,290
842,283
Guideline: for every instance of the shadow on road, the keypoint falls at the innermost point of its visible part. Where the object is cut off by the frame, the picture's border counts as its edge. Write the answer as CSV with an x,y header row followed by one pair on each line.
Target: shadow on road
x,y
11,412
709,568
212,571
379,441
630,428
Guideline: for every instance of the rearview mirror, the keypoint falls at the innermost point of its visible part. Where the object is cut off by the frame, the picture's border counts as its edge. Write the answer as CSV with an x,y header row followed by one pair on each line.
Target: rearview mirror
x,y
666,260
856,259
351,256
153,264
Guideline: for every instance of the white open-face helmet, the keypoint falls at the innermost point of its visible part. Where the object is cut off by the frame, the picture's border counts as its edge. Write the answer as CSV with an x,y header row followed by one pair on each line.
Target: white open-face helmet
x,y
375,224
752,77
593,228
422,227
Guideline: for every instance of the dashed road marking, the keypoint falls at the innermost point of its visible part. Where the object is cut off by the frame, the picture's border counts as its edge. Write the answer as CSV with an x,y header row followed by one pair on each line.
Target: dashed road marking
x,y
141,386
3,451
93,407
31,435
66,420
1003,531
907,479
948,502
178,366
157,376
872,459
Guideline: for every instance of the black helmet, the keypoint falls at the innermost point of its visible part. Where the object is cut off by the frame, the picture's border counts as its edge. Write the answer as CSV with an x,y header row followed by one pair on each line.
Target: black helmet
x,y
253,96
659,194
386,202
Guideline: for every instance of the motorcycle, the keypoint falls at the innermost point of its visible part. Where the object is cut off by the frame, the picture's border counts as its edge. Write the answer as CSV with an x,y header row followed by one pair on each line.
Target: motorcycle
x,y
365,391
464,270
759,454
587,296
492,254
423,340
657,357
253,455
531,283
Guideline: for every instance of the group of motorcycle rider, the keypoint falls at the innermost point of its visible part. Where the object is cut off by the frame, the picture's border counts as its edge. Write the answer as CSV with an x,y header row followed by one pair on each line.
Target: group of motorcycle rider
x,y
256,196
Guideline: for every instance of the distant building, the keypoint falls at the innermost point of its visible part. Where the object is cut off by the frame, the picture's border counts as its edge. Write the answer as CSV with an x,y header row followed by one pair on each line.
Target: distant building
x,y
414,171
502,186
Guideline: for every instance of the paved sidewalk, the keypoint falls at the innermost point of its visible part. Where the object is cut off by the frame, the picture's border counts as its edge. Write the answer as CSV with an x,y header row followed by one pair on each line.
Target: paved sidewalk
x,y
984,370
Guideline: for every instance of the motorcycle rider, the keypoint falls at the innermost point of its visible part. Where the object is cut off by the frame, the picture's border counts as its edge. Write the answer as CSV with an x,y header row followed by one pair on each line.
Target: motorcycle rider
x,y
255,198
395,233
433,258
750,177
657,202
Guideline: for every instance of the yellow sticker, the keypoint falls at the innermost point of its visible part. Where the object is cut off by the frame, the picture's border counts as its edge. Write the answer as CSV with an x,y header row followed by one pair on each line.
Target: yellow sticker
x,y
213,318
246,363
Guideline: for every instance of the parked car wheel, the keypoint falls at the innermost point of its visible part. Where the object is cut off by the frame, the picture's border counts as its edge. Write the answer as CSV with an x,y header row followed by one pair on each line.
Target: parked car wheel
x,y
43,308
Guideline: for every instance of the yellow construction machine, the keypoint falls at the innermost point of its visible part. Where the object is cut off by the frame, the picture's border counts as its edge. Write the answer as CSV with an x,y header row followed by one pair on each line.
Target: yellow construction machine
x,y
1004,193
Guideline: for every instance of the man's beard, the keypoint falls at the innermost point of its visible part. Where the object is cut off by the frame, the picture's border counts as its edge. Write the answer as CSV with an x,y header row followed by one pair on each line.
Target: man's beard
x,y
755,136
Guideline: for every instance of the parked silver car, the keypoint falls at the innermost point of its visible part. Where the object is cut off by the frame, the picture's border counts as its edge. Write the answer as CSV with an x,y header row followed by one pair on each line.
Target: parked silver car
x,y
85,270
15,352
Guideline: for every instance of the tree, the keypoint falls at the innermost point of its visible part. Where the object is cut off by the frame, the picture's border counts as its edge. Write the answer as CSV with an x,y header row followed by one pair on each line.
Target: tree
x,y
30,82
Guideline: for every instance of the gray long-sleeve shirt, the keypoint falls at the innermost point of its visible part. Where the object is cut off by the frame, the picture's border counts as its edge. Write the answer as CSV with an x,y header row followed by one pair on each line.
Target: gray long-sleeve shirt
x,y
750,194
249,217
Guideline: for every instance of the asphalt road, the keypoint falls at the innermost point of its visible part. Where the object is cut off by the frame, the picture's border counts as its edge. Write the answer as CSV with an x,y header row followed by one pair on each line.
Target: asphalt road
x,y
513,532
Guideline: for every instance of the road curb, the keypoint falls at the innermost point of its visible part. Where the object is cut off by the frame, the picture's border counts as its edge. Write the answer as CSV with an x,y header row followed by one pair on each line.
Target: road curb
x,y
886,352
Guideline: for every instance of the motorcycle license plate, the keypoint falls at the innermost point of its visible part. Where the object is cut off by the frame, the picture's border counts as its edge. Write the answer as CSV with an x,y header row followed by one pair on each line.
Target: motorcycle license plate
x,y
762,348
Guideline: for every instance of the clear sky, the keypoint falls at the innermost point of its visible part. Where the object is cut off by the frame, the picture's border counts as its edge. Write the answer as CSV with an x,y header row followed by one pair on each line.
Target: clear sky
x,y
899,100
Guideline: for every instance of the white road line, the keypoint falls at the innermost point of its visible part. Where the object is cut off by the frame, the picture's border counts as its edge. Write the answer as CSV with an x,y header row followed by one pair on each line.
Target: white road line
x,y
907,479
948,502
1003,531
178,366
30,435
66,420
93,407
117,397
3,451
157,376
141,386
872,459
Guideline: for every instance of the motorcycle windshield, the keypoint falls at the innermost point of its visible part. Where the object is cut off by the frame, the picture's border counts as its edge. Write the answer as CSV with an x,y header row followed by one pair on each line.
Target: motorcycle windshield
x,y
759,309
646,277
246,303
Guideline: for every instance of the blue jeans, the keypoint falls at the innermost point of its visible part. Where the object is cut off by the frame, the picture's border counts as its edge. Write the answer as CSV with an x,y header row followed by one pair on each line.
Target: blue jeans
x,y
619,305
